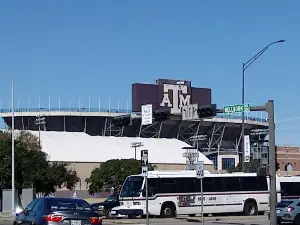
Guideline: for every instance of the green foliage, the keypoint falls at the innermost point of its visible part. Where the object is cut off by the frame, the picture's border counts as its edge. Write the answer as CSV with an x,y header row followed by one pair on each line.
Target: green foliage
x,y
112,173
32,169
250,167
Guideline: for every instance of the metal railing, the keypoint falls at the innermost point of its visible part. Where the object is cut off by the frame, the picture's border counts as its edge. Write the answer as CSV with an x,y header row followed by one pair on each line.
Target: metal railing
x,y
101,110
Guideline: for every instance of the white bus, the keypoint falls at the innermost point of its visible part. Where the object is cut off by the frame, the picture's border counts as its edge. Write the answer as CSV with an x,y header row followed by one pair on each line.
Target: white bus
x,y
290,187
174,193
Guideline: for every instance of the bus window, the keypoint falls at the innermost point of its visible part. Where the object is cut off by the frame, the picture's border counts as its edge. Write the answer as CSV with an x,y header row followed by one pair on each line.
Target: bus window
x,y
258,183
231,183
262,183
290,189
166,185
185,185
132,186
152,187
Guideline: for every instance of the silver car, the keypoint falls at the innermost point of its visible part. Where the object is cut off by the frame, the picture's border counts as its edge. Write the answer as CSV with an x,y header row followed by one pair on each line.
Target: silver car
x,y
288,210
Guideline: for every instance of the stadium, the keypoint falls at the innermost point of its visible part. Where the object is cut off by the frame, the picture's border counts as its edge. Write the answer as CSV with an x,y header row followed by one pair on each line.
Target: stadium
x,y
89,136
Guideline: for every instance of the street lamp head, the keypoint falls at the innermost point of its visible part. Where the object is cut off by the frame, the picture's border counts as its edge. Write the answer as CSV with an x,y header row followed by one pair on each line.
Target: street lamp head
x,y
281,41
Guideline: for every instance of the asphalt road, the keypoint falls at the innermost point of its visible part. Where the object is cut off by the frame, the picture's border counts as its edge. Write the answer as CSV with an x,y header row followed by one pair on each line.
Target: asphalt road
x,y
255,220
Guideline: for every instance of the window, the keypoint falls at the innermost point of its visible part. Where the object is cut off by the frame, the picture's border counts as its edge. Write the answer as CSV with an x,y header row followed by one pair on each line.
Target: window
x,y
37,206
166,185
284,204
290,189
112,198
231,183
228,163
250,184
185,185
218,184
152,187
31,205
66,203
208,185
132,186
262,183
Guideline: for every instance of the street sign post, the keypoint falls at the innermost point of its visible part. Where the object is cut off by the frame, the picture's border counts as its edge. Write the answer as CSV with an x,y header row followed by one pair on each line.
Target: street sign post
x,y
237,108
147,114
200,175
247,150
144,164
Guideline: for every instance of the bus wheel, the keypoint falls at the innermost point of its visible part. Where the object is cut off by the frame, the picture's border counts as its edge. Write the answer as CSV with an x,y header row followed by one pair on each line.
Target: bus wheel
x,y
168,211
250,208
193,215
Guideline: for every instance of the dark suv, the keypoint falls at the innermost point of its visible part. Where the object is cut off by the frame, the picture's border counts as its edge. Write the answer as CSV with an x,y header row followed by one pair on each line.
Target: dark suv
x,y
105,207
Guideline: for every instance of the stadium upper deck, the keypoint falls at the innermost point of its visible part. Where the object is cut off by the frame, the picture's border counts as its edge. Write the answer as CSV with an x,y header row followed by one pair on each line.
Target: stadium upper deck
x,y
220,134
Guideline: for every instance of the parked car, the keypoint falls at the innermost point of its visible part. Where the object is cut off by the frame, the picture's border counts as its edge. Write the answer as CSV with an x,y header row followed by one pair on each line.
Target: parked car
x,y
104,208
288,211
50,210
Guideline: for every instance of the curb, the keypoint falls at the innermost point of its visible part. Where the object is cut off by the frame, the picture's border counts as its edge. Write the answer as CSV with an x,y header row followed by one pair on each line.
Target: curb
x,y
207,219
124,222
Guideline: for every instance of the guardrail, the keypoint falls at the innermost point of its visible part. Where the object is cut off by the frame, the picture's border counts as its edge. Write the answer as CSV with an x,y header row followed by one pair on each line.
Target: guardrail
x,y
95,110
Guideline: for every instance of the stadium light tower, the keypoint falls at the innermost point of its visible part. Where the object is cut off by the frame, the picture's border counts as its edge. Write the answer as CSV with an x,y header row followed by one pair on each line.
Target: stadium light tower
x,y
12,148
191,154
40,121
245,66
136,145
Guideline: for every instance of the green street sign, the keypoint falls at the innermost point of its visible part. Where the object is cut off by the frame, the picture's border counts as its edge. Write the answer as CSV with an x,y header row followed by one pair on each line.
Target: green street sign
x,y
237,108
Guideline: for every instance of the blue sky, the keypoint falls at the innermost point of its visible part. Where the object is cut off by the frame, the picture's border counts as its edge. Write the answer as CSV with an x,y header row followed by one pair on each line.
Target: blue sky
x,y
76,49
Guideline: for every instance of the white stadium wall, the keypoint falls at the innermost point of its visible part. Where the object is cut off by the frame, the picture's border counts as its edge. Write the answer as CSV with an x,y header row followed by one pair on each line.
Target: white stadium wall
x,y
85,152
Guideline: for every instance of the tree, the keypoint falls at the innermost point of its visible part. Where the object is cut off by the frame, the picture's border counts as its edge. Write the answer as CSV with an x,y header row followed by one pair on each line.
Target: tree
x,y
250,167
112,173
32,169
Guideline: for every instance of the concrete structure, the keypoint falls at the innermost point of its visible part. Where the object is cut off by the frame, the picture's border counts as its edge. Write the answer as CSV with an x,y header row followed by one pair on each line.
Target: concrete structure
x,y
222,133
85,152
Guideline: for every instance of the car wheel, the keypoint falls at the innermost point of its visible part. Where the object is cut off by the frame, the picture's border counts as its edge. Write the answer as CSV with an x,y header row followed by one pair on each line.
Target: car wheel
x,y
297,219
107,214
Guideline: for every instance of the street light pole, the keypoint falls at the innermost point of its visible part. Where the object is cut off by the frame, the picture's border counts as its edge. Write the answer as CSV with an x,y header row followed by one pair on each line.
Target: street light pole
x,y
12,149
245,66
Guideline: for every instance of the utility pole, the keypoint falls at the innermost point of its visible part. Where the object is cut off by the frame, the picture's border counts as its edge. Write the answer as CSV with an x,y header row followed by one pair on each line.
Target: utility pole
x,y
269,108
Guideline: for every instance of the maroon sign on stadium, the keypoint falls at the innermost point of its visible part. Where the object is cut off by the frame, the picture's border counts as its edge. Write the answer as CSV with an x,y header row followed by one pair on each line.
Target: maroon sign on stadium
x,y
168,93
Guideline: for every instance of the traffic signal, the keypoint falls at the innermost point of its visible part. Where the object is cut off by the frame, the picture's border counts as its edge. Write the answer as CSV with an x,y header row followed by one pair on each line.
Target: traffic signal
x,y
121,121
161,114
205,111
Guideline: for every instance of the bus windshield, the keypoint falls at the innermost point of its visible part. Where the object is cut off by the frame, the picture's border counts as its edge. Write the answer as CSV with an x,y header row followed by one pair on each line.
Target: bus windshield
x,y
132,186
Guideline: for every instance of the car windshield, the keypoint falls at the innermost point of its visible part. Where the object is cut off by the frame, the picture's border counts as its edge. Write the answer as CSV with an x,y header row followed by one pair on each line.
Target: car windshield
x,y
284,204
112,198
67,204
132,186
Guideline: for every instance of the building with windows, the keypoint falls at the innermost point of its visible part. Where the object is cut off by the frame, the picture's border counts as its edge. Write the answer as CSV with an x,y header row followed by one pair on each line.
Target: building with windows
x,y
288,159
